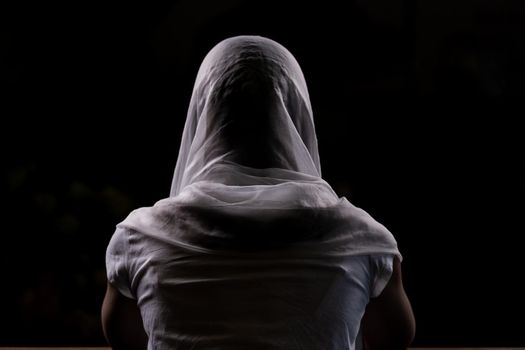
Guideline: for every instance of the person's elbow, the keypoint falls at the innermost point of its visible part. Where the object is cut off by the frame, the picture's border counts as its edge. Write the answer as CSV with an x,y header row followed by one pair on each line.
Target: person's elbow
x,y
391,337
403,337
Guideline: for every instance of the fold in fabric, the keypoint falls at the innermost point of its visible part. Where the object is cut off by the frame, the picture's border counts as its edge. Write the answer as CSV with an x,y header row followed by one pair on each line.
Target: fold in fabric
x,y
252,249
248,175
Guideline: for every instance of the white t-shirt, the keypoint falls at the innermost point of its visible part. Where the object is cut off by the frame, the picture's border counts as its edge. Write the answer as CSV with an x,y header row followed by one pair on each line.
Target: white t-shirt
x,y
193,300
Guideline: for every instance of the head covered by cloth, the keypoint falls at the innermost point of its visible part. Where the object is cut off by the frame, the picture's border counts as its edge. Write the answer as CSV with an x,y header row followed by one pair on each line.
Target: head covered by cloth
x,y
248,175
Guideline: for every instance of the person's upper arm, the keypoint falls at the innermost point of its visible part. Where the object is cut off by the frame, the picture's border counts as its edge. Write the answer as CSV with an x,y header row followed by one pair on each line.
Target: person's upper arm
x,y
122,322
117,262
388,322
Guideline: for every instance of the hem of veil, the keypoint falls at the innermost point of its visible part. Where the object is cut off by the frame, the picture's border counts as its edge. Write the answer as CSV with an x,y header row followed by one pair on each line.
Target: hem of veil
x,y
290,250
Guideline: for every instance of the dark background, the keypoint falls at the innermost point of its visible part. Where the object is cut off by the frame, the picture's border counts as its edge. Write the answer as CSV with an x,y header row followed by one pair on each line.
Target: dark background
x,y
417,105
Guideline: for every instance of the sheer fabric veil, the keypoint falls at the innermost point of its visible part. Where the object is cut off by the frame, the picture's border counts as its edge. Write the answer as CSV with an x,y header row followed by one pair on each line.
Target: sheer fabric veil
x,y
248,174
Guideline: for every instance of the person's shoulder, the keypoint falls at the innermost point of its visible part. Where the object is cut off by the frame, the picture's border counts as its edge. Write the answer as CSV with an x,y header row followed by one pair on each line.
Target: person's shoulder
x,y
148,216
118,243
372,235
359,217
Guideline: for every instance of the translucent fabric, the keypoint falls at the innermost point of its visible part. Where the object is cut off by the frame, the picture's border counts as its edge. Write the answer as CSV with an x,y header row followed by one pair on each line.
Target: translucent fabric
x,y
253,249
248,175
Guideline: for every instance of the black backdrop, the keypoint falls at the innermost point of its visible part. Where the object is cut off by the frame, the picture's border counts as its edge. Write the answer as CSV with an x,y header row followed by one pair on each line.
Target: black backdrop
x,y
416,104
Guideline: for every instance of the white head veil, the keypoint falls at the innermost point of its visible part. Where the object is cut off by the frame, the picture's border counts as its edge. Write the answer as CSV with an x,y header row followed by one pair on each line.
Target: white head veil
x,y
248,175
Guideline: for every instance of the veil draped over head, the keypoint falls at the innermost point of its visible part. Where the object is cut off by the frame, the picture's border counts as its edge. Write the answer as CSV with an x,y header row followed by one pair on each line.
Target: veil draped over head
x,y
248,175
